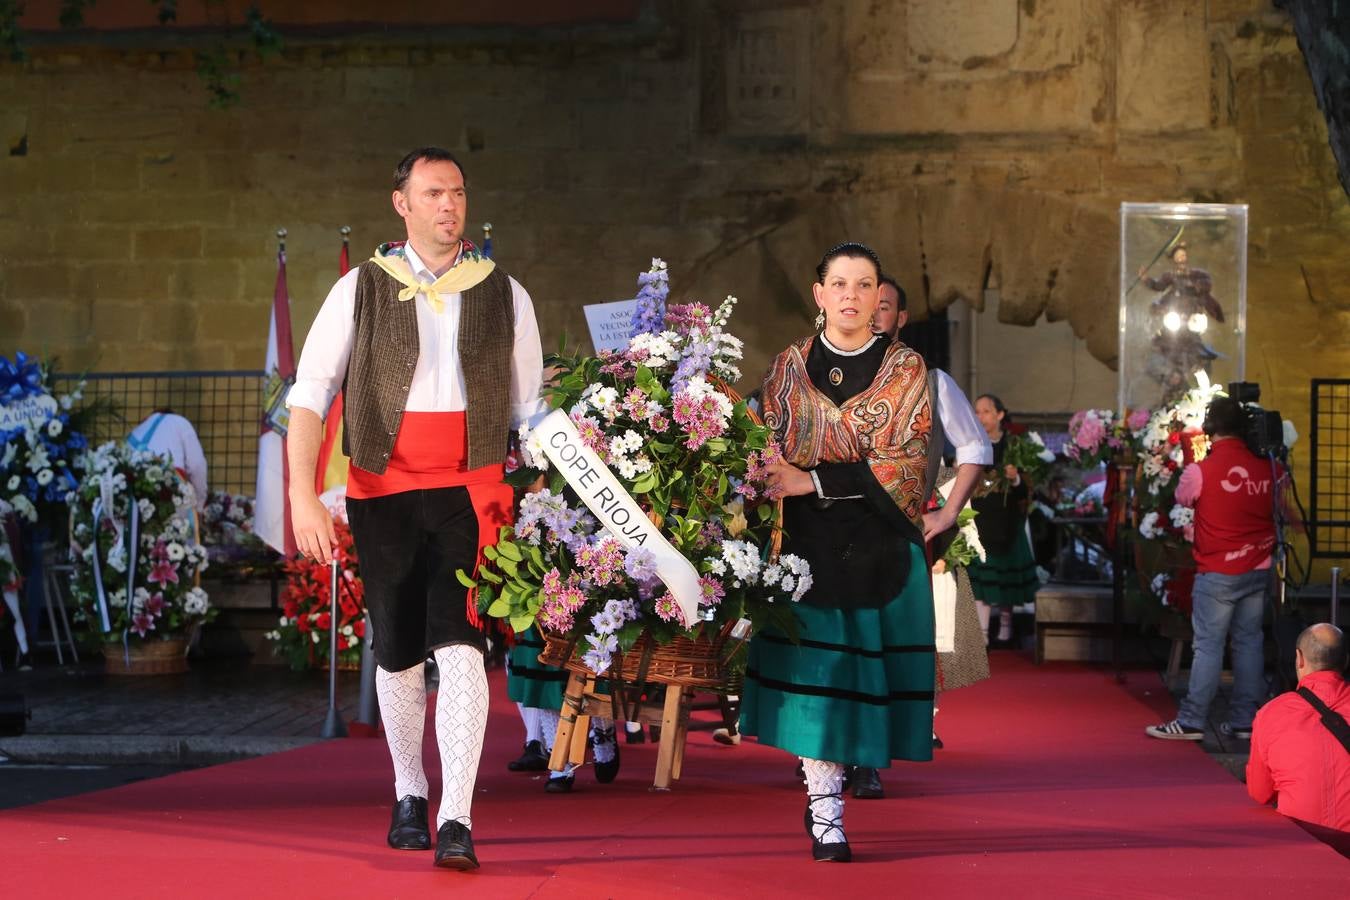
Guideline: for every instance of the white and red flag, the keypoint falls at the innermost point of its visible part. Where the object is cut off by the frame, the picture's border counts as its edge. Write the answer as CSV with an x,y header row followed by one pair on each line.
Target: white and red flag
x,y
272,510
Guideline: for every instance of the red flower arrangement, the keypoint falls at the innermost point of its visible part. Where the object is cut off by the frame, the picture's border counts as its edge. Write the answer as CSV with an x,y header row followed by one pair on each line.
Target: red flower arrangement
x,y
306,617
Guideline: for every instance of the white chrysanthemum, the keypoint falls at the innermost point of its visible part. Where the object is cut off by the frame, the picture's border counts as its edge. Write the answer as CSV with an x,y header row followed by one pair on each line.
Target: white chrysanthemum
x,y
45,477
1181,516
531,449
743,558
175,551
1148,526
146,509
195,603
118,598
54,428
605,400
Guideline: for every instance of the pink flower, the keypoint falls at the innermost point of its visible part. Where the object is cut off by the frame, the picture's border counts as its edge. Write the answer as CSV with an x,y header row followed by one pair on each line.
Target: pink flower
x,y
163,573
1090,433
141,623
1138,419
155,604
669,610
712,590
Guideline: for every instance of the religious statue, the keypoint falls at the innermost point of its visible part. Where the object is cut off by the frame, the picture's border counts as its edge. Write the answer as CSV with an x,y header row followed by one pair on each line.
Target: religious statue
x,y
1179,317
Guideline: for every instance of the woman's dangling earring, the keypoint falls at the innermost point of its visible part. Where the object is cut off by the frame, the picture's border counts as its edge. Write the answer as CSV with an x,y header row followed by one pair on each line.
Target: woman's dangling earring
x,y
872,322
820,320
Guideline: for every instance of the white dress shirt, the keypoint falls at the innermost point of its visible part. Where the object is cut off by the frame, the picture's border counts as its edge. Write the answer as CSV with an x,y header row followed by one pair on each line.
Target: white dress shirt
x,y
959,425
438,382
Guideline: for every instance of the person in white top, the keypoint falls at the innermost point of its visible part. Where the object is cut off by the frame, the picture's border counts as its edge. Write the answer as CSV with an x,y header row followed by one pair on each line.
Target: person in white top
x,y
438,354
960,429
168,434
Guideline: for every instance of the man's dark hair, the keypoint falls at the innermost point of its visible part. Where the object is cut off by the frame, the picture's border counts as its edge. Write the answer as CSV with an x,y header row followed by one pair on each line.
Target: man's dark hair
x,y
431,154
1323,648
1224,418
901,302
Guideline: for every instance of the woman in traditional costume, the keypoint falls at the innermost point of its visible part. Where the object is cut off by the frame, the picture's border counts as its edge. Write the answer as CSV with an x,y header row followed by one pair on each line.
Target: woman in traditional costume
x,y
852,413
1007,577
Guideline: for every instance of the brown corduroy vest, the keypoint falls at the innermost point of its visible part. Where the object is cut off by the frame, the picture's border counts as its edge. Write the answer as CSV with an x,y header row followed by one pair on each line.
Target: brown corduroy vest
x,y
384,356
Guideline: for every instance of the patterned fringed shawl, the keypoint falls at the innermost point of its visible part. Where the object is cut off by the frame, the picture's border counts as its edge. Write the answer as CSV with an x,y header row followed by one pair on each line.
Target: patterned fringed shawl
x,y
887,425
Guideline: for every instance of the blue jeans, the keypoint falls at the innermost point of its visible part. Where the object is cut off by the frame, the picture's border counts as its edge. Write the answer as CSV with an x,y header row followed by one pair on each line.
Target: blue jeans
x,y
1224,604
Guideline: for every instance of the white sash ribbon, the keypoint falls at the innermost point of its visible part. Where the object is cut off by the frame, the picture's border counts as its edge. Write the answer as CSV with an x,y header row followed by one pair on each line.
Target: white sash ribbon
x,y
617,511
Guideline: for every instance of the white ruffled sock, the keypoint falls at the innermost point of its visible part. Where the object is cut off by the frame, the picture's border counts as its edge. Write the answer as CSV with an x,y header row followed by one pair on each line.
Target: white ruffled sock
x,y
827,812
403,709
461,720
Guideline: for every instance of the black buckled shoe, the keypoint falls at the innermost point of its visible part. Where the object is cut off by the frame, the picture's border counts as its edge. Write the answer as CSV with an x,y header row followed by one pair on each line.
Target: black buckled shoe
x,y
937,741
821,852
534,759
634,737
454,847
867,784
605,772
408,825
560,785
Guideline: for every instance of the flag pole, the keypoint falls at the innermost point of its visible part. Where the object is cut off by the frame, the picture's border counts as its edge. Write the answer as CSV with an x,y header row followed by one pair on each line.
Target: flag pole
x,y
281,240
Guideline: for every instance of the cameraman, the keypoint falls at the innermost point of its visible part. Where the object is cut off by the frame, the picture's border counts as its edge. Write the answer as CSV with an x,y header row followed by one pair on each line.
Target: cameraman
x,y
1232,493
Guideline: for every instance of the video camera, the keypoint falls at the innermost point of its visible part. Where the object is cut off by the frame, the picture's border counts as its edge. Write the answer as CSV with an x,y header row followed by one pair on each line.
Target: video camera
x,y
1262,429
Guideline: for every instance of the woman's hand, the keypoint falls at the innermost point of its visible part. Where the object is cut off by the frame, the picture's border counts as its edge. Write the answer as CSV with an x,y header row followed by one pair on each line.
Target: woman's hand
x,y
939,567
938,521
786,480
1010,471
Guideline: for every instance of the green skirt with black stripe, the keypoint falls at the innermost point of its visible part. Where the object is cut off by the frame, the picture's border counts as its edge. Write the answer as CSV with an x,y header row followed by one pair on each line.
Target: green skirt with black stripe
x,y
1006,578
528,681
857,688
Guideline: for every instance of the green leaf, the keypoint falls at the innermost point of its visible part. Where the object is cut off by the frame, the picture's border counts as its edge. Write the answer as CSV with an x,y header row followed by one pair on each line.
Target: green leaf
x,y
521,624
509,567
463,578
499,609
489,576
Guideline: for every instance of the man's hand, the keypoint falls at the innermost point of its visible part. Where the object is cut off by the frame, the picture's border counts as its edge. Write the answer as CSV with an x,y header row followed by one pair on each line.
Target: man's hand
x,y
786,480
1010,472
938,521
312,526
538,484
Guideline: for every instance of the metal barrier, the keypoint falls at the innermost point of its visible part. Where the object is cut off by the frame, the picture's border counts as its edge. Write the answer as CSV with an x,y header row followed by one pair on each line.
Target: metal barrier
x,y
1329,463
224,407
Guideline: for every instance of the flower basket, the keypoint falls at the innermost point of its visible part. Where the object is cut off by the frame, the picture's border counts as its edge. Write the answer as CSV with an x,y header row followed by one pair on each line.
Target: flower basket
x,y
699,661
302,635
167,657
659,418
135,555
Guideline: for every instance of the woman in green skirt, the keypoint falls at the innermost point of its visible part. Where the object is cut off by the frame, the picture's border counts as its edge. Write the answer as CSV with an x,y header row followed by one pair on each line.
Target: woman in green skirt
x,y
1007,576
852,413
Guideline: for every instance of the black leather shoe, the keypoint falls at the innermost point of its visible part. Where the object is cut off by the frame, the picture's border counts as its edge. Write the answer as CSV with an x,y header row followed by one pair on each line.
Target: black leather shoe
x,y
634,737
867,784
561,785
408,825
937,742
821,852
454,847
534,759
607,771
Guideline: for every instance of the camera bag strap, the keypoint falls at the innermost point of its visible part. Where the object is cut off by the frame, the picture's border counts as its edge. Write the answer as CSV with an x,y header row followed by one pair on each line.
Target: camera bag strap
x,y
1334,721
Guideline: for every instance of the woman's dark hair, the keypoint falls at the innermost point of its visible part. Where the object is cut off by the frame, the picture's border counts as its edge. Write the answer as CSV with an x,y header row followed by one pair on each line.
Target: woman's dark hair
x,y
998,405
431,154
850,249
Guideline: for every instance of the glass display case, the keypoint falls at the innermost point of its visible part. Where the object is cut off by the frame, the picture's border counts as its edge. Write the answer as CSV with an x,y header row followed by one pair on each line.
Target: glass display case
x,y
1183,299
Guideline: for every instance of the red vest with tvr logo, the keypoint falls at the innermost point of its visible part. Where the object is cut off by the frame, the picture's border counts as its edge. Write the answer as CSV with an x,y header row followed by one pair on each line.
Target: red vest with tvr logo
x,y
1234,519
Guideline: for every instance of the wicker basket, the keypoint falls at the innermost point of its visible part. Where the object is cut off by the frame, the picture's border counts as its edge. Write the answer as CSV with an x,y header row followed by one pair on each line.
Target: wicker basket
x,y
167,657
698,662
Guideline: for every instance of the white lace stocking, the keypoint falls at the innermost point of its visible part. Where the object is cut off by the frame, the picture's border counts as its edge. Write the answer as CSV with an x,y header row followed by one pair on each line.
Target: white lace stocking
x,y
403,708
461,720
547,723
530,716
603,739
825,778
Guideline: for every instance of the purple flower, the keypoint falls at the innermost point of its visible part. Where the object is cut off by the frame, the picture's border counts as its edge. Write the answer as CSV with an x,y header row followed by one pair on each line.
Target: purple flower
x,y
650,313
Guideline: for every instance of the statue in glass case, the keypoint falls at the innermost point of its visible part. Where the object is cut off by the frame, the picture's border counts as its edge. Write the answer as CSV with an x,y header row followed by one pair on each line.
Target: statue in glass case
x,y
1179,318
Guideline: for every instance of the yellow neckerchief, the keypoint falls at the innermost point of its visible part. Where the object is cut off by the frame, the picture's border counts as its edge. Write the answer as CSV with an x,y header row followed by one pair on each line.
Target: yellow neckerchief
x,y
469,271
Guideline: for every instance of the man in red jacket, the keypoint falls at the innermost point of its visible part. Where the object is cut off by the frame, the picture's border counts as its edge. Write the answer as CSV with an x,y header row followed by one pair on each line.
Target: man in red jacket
x,y
1232,491
1295,754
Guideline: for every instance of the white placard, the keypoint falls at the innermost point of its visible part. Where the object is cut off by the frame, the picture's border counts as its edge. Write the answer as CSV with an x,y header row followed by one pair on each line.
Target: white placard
x,y
610,324
616,509
32,411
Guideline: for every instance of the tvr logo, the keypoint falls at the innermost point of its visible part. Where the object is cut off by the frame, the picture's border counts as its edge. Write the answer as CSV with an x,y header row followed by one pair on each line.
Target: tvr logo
x,y
1239,479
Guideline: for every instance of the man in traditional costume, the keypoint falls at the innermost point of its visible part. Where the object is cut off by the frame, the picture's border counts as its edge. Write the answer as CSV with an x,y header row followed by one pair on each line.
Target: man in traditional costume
x,y
954,423
853,414
437,351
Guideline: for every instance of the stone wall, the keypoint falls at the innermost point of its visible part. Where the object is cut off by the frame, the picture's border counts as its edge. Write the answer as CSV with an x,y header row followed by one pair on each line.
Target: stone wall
x,y
978,144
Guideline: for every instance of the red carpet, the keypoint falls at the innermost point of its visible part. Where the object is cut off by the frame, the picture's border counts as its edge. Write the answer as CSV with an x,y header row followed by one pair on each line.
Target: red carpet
x,y
1049,788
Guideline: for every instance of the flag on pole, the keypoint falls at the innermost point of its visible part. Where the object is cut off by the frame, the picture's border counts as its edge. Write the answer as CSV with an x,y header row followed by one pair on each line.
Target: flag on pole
x,y
486,249
332,468
272,508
